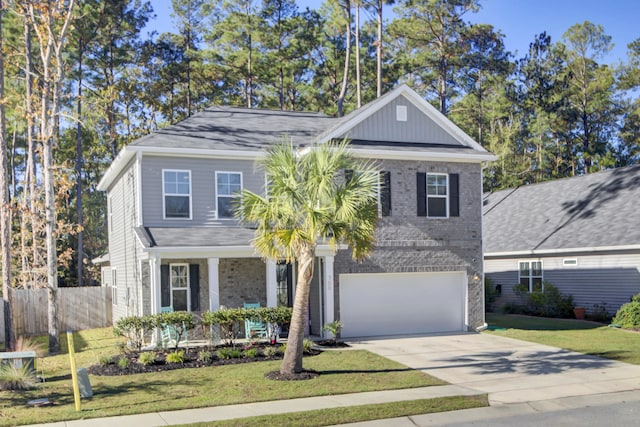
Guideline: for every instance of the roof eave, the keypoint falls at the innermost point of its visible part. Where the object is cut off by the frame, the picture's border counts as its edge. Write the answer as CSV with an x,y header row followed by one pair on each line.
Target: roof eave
x,y
559,251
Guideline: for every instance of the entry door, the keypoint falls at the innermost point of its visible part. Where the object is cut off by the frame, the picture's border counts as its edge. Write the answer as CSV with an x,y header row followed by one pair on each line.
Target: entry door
x,y
285,285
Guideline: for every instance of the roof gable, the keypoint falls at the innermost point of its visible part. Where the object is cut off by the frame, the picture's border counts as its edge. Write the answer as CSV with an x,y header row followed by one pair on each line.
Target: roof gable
x,y
592,211
378,121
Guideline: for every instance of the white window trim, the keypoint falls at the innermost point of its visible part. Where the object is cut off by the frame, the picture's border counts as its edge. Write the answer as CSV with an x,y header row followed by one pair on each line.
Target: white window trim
x,y
435,196
188,287
114,286
216,190
110,212
164,195
530,276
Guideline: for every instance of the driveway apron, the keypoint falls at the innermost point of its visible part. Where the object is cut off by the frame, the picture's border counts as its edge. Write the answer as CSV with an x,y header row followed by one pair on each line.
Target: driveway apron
x,y
509,370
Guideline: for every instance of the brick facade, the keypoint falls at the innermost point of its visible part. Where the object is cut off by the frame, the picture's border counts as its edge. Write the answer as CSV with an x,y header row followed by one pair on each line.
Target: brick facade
x,y
242,280
406,242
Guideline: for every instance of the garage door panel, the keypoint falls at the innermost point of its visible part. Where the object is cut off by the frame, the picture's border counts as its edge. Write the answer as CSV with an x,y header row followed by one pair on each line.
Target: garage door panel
x,y
401,303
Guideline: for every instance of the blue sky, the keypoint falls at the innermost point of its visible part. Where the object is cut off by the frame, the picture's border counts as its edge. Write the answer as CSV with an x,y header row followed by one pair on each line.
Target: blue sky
x,y
521,20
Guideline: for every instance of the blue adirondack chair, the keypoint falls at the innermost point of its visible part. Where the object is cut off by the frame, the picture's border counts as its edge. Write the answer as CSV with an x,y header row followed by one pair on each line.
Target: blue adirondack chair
x,y
254,328
168,333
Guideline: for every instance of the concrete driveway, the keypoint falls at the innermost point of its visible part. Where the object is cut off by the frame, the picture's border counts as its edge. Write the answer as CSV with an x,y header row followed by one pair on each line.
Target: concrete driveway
x,y
509,370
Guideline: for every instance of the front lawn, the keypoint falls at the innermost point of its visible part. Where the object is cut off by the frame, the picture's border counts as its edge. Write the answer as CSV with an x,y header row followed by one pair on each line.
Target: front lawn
x,y
346,371
583,337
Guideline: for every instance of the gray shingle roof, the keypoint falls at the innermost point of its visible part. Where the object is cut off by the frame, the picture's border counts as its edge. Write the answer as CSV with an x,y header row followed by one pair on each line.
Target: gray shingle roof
x,y
231,128
194,236
595,210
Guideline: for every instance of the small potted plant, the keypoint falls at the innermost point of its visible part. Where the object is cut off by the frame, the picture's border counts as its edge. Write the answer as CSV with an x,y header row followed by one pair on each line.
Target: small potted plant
x,y
579,313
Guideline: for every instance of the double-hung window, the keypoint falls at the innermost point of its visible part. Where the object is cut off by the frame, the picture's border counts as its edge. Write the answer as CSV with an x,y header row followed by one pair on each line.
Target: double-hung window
x,y
530,273
383,190
179,280
228,185
176,186
438,195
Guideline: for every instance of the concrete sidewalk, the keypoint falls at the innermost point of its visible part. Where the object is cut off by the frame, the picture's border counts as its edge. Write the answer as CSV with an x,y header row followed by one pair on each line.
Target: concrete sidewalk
x,y
216,413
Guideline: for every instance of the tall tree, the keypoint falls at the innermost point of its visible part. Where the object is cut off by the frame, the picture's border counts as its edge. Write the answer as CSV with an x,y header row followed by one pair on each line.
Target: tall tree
x,y
51,22
379,8
5,207
628,151
590,93
309,202
346,6
433,31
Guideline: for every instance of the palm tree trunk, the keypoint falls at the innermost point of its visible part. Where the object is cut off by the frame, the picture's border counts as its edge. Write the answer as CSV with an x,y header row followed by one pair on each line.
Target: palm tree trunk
x,y
292,362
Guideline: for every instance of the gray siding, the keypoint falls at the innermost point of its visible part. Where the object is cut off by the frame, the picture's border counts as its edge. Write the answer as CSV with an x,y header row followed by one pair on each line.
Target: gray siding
x,y
383,126
609,279
408,243
203,191
124,248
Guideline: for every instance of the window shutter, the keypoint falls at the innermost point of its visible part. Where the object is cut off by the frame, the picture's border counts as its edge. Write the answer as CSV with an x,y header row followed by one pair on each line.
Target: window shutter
x,y
454,195
421,186
348,174
385,193
194,284
165,286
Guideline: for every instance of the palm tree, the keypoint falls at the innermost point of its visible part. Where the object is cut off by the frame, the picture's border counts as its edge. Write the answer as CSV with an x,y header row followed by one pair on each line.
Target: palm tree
x,y
309,200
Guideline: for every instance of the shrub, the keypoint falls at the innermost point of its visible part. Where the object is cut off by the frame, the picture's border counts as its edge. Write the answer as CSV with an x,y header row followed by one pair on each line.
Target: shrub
x,y
276,317
227,320
123,362
600,313
272,351
147,358
205,356
176,357
14,378
251,353
306,345
224,353
134,329
490,293
30,344
333,328
180,321
628,316
105,360
548,302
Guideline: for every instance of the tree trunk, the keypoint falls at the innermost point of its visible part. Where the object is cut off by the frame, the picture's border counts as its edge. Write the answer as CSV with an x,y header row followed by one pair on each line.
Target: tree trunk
x,y
79,162
358,94
5,211
379,53
347,59
292,362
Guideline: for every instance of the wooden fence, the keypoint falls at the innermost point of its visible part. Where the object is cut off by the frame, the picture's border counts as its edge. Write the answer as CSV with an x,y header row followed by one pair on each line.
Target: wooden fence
x,y
78,308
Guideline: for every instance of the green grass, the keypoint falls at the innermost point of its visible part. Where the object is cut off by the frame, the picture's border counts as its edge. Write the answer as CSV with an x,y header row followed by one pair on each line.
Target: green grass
x,y
340,372
583,337
353,414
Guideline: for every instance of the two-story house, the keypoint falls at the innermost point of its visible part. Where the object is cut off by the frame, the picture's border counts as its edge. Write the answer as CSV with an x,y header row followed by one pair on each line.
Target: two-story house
x,y
173,241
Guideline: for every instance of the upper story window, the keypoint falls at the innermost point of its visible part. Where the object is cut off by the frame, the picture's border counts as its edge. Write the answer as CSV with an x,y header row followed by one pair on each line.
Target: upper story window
x,y
228,185
383,191
437,195
530,275
176,187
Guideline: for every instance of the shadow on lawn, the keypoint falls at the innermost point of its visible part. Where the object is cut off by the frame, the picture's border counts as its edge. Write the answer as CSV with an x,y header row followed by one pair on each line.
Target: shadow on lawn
x,y
364,371
533,363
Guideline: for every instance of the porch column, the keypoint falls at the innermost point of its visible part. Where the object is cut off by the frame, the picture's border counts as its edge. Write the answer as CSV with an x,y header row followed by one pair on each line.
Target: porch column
x,y
214,283
154,276
272,284
329,304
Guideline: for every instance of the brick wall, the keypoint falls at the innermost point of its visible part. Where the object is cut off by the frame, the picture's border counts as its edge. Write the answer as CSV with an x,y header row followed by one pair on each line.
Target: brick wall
x,y
242,280
408,243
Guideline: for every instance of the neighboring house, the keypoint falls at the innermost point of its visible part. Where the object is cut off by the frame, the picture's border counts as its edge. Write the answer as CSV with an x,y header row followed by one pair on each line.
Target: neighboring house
x,y
174,242
581,234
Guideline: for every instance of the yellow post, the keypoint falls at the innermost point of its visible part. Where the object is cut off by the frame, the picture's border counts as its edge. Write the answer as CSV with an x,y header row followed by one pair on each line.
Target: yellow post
x,y
74,373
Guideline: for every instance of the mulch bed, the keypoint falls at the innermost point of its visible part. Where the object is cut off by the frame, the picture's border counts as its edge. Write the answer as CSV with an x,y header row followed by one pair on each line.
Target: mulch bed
x,y
116,367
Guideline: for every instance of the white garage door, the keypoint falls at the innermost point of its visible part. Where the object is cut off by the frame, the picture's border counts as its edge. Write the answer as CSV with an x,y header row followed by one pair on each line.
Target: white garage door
x,y
402,303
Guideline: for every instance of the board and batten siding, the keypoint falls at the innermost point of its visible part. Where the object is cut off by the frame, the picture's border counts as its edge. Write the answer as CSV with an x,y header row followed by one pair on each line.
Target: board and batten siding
x,y
203,187
124,248
383,125
610,279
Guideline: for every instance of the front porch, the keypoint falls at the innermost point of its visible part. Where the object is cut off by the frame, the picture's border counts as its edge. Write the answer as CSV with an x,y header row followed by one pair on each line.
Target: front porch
x,y
209,280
